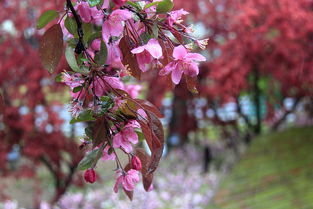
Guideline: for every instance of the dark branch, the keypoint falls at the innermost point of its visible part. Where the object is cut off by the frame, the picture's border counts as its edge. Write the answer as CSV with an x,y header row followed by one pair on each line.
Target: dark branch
x,y
80,45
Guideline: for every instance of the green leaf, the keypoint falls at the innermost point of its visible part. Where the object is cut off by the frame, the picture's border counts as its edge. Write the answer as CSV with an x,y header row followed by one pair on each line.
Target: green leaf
x,y
106,104
146,36
90,159
51,47
84,116
151,4
58,78
133,4
72,42
101,57
140,135
94,36
155,30
88,29
77,89
164,6
93,3
89,132
71,25
72,62
71,59
46,17
100,4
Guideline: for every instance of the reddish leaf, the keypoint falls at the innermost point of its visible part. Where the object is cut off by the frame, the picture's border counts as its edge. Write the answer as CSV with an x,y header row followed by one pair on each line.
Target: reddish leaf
x,y
51,47
99,132
167,53
130,194
129,59
145,159
153,131
158,141
178,36
150,107
129,108
191,84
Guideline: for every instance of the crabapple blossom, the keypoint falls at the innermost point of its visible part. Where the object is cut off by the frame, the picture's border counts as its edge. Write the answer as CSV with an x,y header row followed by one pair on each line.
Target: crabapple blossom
x,y
126,137
147,53
90,176
184,63
136,163
127,180
106,156
175,17
113,26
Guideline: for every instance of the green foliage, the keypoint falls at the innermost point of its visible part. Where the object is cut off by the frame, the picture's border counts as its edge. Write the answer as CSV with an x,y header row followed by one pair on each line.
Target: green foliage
x,y
90,159
164,6
86,115
274,173
71,25
101,57
46,17
93,3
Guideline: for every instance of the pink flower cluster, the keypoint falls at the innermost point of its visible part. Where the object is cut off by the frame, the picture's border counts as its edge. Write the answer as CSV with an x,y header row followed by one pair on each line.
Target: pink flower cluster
x,y
121,37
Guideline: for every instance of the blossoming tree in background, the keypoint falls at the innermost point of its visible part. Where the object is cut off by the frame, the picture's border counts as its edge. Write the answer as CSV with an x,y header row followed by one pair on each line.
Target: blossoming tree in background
x,y
106,43
31,132
260,56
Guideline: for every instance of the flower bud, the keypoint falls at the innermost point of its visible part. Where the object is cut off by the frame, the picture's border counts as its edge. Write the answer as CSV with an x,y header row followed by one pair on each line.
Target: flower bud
x,y
90,175
136,163
119,2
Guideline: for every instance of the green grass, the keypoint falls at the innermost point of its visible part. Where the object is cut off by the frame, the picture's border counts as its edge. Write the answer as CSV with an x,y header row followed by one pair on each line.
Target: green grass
x,y
275,173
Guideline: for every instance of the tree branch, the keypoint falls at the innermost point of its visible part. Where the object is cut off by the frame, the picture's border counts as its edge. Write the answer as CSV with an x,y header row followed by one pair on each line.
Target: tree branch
x,y
284,117
80,45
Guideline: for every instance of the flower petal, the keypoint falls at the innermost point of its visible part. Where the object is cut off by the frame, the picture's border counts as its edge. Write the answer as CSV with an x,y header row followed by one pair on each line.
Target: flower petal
x,y
154,48
138,50
167,69
179,52
176,74
192,69
195,57
120,15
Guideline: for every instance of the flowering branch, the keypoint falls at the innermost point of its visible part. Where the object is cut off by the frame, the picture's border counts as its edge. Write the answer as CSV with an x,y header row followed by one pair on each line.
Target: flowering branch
x,y
120,39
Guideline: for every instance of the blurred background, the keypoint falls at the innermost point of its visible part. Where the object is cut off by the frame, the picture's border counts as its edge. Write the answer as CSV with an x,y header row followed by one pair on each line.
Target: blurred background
x,y
244,141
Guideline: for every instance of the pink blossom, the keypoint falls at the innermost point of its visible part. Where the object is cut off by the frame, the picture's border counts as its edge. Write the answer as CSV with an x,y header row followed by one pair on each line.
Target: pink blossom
x,y
95,44
119,2
73,80
146,53
114,56
202,43
113,26
126,137
175,16
105,84
184,62
127,180
106,156
136,163
89,14
90,176
133,90
84,11
76,109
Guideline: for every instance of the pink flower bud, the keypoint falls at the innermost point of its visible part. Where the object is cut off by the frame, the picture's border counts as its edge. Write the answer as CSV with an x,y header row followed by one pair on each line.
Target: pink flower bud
x,y
136,163
90,175
119,2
